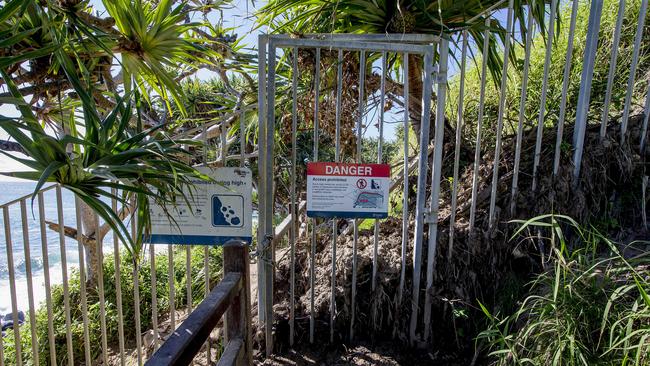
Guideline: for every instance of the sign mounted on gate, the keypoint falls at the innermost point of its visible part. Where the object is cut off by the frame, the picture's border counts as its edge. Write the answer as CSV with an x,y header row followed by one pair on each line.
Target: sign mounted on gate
x,y
347,190
219,211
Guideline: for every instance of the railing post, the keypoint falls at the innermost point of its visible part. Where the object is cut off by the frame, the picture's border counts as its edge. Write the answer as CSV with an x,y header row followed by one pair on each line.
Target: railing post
x,y
238,315
585,86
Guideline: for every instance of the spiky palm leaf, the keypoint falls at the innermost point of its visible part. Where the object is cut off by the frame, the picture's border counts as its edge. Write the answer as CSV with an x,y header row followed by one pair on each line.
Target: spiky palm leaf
x,y
155,40
109,154
381,16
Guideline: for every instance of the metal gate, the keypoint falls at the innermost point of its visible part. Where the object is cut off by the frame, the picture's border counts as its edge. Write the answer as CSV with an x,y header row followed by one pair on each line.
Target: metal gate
x,y
279,54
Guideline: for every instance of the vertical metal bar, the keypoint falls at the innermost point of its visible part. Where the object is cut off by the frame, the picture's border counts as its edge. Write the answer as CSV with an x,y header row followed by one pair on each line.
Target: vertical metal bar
x,y
136,300
502,112
82,281
242,138
292,232
339,91
542,103
224,145
633,66
459,128
188,277
355,239
100,291
154,295
206,281
585,85
267,247
436,172
314,235
204,140
522,111
646,116
118,284
337,157
565,86
405,180
136,293
262,41
206,251
479,126
46,274
30,284
612,68
380,148
12,286
421,191
171,274
64,273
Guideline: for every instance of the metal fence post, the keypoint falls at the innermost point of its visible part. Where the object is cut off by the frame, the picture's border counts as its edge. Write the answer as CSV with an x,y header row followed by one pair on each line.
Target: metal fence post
x,y
585,85
565,85
261,98
646,116
421,192
502,113
436,171
266,214
633,67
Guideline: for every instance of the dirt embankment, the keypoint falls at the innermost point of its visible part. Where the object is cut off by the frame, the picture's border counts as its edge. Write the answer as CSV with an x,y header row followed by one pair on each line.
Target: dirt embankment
x,y
484,265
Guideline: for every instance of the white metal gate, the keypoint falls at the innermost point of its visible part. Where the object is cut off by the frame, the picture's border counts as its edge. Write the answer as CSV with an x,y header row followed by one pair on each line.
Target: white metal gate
x,y
281,51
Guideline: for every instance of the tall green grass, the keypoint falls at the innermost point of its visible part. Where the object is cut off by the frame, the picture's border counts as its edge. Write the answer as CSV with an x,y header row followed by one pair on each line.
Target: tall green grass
x,y
538,49
591,307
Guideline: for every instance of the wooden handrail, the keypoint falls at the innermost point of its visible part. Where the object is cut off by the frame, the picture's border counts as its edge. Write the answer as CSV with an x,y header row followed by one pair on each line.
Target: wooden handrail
x,y
230,297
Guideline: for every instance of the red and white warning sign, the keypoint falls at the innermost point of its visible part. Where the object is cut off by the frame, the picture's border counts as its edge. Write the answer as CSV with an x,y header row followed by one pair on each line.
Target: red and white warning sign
x,y
347,190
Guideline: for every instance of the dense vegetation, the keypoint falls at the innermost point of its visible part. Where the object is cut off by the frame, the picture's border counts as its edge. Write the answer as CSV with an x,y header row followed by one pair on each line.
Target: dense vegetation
x,y
555,77
197,276
590,307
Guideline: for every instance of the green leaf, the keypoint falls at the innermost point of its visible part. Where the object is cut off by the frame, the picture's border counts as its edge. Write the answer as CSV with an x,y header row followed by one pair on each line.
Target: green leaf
x,y
45,176
10,9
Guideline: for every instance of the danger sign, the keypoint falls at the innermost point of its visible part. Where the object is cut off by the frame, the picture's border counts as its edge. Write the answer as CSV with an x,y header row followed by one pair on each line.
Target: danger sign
x,y
347,190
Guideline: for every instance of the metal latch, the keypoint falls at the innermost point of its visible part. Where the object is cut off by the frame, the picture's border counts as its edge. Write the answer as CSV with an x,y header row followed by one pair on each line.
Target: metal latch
x,y
429,218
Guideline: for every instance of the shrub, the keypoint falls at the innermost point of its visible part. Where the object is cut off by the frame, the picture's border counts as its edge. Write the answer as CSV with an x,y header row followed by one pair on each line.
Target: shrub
x,y
590,308
110,295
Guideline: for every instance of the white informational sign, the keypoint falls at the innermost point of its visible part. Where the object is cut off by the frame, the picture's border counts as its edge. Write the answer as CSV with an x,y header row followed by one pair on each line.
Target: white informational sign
x,y
219,211
347,190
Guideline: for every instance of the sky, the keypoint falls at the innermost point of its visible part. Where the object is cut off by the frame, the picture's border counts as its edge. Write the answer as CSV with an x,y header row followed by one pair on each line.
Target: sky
x,y
239,17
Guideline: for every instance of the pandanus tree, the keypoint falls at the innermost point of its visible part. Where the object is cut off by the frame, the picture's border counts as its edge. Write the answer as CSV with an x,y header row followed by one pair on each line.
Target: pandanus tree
x,y
439,17
94,89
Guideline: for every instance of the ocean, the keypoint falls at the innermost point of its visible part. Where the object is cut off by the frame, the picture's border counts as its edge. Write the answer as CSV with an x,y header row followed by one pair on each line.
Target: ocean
x,y
13,190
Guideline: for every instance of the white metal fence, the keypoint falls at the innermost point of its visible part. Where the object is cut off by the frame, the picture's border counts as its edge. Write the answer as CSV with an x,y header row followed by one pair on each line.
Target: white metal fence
x,y
32,246
553,112
54,315
362,47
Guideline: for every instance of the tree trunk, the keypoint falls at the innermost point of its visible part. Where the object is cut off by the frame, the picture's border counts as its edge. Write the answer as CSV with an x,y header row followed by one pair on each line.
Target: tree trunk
x,y
415,73
415,92
89,223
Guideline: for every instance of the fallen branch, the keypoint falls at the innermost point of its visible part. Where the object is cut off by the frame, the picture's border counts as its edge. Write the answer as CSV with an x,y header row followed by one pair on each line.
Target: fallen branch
x,y
71,233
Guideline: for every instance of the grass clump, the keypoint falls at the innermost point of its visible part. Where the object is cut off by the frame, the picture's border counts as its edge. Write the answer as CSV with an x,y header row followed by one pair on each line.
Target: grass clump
x,y
591,306
197,256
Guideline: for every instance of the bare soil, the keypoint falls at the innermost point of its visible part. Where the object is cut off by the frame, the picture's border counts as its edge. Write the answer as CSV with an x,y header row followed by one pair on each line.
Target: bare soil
x,y
485,264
